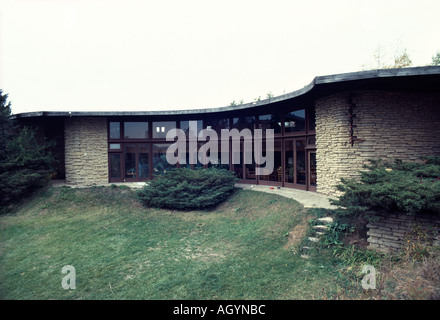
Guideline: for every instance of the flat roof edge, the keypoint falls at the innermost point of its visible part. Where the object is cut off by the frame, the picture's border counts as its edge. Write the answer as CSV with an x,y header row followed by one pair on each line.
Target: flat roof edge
x,y
378,73
316,82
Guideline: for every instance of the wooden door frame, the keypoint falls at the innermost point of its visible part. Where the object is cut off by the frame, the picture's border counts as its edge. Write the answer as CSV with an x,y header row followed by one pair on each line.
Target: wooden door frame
x,y
294,185
308,171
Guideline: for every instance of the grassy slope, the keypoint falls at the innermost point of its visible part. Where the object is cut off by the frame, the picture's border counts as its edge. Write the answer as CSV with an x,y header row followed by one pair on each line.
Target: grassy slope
x,y
125,251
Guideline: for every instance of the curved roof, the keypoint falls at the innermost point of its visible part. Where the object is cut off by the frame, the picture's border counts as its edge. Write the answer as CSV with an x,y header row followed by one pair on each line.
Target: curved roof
x,y
425,79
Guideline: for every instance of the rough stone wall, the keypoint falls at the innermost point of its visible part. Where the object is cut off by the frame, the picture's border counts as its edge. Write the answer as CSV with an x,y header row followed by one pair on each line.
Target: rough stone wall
x,y
389,233
389,125
86,155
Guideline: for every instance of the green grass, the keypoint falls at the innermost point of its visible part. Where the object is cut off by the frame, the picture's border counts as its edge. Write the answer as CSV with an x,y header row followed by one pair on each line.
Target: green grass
x,y
122,250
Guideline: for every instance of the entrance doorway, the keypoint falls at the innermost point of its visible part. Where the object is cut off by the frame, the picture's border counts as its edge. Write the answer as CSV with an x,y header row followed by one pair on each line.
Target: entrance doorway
x,y
295,163
136,162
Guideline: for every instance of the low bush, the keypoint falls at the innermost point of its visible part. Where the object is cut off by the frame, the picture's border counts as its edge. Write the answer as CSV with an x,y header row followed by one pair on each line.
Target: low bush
x,y
406,187
186,189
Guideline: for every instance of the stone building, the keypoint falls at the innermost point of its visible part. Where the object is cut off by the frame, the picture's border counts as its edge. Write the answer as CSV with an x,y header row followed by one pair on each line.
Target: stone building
x,y
323,132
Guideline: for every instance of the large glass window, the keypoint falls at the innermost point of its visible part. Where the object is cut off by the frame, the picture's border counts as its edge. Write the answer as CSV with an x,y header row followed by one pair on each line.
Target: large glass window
x,y
115,165
130,161
131,158
290,162
270,121
192,126
300,161
241,123
192,157
295,121
249,172
217,125
161,128
160,163
188,159
295,159
238,167
223,154
276,174
136,130
115,130
144,162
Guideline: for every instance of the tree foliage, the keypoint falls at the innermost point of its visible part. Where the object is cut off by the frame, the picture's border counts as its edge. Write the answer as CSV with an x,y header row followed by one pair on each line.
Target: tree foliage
x,y
186,189
402,60
25,164
383,60
405,187
436,59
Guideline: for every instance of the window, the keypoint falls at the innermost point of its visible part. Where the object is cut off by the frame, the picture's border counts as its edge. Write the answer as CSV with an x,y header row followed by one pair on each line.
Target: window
x,y
241,123
115,130
130,161
160,129
115,165
312,117
270,121
295,159
115,146
276,174
300,162
311,141
144,162
295,121
160,163
193,127
136,130
217,125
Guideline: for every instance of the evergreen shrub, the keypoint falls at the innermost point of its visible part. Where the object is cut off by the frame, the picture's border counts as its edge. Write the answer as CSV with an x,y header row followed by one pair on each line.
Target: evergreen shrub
x,y
186,189
25,163
407,187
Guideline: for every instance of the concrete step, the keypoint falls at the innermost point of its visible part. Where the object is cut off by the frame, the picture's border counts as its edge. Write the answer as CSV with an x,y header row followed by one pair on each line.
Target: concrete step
x,y
320,230
326,219
321,227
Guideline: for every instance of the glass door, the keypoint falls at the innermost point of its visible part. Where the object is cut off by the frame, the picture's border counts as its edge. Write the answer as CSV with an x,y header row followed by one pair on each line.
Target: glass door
x,y
136,162
295,163
130,161
311,168
245,170
273,176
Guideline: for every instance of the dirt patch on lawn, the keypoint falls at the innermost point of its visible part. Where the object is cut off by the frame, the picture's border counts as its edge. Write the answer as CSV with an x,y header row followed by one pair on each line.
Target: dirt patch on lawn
x,y
297,233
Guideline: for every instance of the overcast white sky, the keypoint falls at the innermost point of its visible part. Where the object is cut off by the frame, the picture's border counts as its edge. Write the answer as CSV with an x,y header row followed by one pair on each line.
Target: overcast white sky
x,y
110,55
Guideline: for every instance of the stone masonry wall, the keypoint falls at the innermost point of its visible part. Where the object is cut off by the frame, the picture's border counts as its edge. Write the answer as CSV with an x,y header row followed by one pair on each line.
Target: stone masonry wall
x,y
389,233
86,155
389,125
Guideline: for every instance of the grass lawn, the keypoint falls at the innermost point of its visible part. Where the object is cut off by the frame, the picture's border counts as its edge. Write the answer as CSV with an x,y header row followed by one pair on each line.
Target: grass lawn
x,y
121,250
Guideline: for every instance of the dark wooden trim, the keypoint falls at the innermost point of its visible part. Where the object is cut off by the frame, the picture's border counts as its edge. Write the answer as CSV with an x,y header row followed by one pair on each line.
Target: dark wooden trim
x,y
282,138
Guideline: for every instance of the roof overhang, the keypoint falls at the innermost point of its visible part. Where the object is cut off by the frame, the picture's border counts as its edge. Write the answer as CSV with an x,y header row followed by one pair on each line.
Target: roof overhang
x,y
421,79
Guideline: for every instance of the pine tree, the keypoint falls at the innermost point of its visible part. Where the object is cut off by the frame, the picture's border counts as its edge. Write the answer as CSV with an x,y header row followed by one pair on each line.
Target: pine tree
x,y
25,164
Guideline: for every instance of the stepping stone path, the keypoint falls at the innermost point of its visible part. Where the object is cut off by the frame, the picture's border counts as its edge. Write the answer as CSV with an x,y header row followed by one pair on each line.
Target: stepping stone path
x,y
320,229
